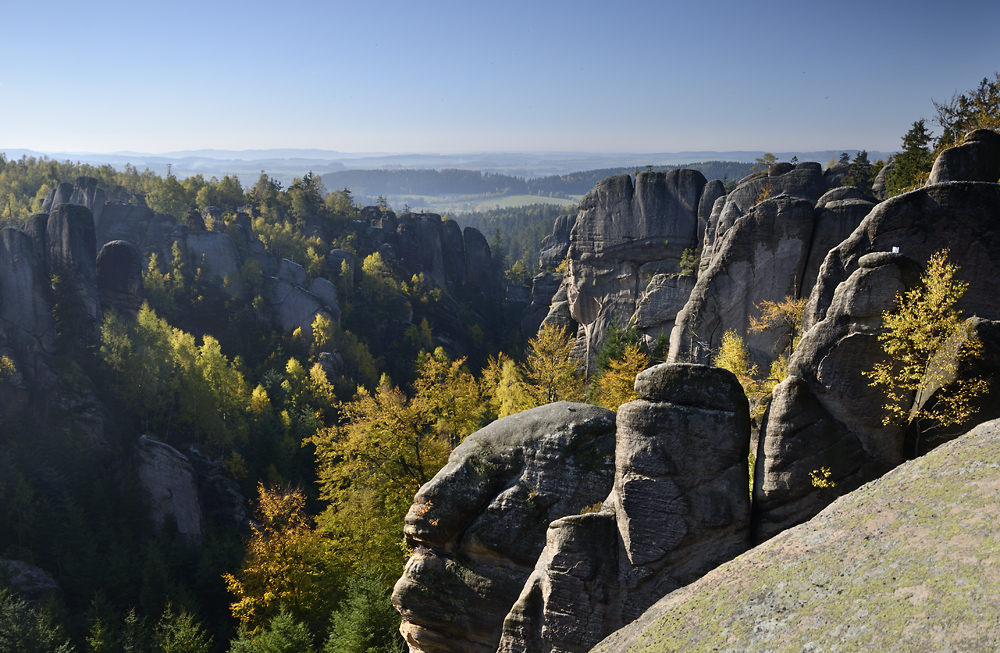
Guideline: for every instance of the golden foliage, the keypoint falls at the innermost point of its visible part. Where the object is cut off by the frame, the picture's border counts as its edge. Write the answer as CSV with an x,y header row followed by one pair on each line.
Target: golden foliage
x,y
616,385
926,340
287,564
550,373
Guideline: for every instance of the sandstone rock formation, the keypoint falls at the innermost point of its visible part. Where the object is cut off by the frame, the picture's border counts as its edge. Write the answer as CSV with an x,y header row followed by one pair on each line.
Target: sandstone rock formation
x,y
623,235
679,507
762,256
25,294
72,256
171,491
479,525
907,562
976,159
119,276
825,413
32,584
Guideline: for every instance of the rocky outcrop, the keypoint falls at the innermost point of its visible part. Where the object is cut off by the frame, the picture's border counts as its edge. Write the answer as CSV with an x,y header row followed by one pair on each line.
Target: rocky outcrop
x,y
478,527
555,246
679,507
958,216
623,235
31,583
72,256
976,159
838,214
543,289
479,272
904,563
25,294
293,307
171,490
216,255
119,276
825,414
761,257
664,297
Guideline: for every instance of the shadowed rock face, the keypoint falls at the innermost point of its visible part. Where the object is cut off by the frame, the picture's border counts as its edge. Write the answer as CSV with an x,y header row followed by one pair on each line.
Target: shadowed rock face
x,y
25,294
168,480
959,216
479,525
905,563
679,507
825,414
72,255
119,276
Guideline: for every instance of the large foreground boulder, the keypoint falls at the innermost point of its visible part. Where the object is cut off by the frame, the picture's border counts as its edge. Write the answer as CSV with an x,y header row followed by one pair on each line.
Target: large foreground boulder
x,y
906,563
479,525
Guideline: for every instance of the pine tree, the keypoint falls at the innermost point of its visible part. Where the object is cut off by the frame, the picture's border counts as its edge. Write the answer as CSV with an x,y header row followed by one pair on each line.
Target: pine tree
x,y
913,164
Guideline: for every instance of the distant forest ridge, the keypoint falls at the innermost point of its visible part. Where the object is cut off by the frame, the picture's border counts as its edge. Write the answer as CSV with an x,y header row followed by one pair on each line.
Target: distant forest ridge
x,y
451,182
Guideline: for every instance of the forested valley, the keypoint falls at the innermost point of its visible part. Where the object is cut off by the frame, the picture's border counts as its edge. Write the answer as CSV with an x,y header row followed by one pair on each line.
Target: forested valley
x,y
324,431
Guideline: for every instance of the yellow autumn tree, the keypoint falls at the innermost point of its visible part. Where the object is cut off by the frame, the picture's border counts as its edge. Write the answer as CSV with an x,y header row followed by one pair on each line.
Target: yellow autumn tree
x,y
616,384
549,372
926,341
387,446
288,565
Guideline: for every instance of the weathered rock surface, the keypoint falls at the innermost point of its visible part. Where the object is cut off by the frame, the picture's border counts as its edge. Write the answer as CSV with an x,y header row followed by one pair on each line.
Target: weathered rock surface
x,y
25,294
171,490
681,497
976,159
119,276
555,246
761,257
72,255
215,253
825,413
838,214
479,525
293,307
623,235
664,297
543,289
907,563
479,262
959,216
679,507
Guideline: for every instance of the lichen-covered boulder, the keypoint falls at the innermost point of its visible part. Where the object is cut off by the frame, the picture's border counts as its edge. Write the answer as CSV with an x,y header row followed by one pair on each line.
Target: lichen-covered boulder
x,y
478,527
905,563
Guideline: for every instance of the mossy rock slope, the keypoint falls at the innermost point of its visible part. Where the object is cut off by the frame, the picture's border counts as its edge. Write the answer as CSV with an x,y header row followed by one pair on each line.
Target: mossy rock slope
x,y
909,562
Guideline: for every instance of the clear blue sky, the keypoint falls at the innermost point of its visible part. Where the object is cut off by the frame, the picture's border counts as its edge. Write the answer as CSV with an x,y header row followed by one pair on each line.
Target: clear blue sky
x,y
641,76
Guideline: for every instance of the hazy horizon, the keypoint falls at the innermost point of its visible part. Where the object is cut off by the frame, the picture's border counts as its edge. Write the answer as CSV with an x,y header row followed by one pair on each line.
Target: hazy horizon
x,y
451,78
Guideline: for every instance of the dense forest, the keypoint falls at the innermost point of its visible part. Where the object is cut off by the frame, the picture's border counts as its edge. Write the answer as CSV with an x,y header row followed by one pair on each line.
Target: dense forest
x,y
327,430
